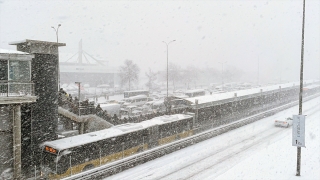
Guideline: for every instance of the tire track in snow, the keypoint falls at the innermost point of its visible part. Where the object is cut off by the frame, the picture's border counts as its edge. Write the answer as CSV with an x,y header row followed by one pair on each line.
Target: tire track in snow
x,y
184,172
156,170
236,149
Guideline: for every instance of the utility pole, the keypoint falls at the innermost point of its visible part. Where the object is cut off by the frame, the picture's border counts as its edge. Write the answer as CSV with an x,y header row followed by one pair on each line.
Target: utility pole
x,y
301,89
168,103
79,114
167,44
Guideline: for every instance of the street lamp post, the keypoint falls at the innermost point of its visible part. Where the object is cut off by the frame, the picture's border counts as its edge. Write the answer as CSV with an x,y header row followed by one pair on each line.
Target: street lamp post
x,y
222,72
167,44
81,123
57,30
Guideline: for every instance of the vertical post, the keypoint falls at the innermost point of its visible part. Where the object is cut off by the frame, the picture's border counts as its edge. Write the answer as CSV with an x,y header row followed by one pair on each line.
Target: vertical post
x,y
79,114
167,69
8,89
79,83
122,149
258,70
143,141
100,156
16,142
301,89
82,128
70,167
196,115
167,44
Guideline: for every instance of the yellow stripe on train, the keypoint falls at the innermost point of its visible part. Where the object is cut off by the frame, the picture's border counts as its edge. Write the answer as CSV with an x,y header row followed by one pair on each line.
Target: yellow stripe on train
x,y
174,137
97,162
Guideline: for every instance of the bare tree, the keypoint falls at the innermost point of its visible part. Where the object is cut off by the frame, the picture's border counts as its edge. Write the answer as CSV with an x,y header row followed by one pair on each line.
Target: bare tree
x,y
152,76
129,72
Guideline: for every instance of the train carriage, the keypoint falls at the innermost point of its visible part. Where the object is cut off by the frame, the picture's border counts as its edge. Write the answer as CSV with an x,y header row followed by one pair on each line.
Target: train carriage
x,y
217,109
64,157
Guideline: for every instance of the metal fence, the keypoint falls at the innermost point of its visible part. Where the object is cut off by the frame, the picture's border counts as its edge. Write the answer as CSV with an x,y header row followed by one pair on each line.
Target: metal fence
x,y
10,89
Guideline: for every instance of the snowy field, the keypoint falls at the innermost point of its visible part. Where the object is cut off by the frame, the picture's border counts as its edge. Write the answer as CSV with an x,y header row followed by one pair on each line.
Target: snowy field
x,y
255,151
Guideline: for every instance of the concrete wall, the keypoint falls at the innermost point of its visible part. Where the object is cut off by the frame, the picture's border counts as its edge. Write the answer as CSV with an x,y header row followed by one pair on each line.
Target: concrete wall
x,y
6,138
45,110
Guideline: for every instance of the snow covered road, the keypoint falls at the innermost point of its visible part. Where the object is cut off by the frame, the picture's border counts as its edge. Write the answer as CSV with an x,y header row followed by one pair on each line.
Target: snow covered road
x,y
255,151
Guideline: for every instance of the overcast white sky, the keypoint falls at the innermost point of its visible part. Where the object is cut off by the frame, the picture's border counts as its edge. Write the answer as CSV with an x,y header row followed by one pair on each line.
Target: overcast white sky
x,y
206,32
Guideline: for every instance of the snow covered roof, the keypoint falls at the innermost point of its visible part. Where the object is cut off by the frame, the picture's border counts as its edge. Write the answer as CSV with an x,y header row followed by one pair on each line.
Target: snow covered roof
x,y
82,139
25,41
7,51
15,55
214,98
164,119
128,127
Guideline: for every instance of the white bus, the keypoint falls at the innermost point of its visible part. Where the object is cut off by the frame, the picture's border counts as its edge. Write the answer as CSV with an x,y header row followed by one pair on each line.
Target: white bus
x,y
195,92
128,94
111,109
136,100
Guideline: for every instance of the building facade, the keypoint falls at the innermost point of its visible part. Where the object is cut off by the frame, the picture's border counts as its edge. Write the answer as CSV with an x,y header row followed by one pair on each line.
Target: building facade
x,y
16,92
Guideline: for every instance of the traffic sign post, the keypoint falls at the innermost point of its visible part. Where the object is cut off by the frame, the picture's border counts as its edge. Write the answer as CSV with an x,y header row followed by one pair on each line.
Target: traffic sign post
x,y
298,131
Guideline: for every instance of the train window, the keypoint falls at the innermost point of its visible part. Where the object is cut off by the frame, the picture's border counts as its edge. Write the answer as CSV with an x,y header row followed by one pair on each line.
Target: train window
x,y
77,155
95,151
106,147
165,130
118,144
188,126
175,127
135,138
140,135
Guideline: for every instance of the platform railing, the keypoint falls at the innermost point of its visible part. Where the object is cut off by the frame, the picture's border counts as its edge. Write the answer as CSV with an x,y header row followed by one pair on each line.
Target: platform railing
x,y
14,89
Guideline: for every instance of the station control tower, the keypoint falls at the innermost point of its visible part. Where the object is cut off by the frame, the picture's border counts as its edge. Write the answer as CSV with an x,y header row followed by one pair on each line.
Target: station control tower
x,y
39,119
